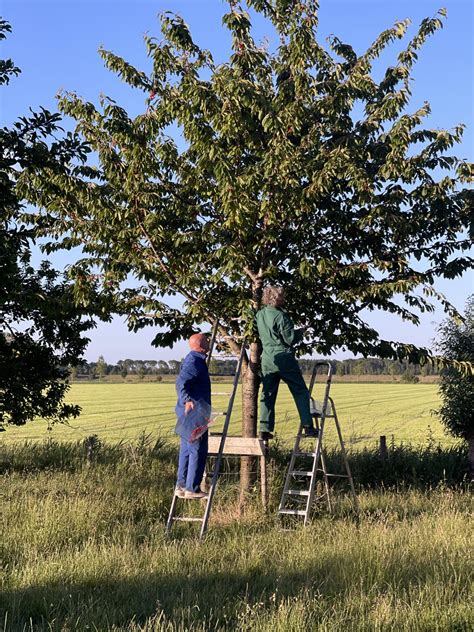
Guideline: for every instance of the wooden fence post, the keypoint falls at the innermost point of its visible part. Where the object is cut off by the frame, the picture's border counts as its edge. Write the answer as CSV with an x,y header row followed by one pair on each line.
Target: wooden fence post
x,y
263,482
383,452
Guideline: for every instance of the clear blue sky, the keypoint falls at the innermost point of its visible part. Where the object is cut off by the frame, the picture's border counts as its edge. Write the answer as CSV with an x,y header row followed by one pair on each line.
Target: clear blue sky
x,y
55,44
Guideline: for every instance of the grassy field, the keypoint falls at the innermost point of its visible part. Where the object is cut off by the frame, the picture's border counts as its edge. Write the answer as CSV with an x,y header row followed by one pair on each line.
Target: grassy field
x,y
84,549
366,411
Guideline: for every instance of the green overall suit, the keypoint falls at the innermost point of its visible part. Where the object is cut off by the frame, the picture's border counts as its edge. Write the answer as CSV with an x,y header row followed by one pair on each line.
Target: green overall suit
x,y
277,333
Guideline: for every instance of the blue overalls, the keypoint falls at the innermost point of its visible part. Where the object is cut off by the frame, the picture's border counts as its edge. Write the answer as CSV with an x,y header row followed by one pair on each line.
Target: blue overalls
x,y
192,383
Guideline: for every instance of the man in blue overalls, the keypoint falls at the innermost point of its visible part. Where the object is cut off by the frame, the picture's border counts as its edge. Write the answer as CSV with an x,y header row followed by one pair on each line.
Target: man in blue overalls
x,y
193,384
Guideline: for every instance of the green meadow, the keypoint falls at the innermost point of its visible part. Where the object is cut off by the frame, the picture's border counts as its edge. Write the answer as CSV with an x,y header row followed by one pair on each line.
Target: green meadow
x,y
84,548
118,412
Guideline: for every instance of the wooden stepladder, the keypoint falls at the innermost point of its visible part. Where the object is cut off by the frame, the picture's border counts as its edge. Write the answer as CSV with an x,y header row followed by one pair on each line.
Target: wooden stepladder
x,y
221,445
308,459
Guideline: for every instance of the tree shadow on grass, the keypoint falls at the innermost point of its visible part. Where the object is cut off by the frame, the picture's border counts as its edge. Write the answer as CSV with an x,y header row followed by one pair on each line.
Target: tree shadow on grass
x,y
212,600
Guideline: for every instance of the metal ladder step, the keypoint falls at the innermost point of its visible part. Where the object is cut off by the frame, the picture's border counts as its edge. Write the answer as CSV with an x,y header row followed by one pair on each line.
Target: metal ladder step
x,y
292,512
333,475
297,492
187,519
318,416
313,454
300,473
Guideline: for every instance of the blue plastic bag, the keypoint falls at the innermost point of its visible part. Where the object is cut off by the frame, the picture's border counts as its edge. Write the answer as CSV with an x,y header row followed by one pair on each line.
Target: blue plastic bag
x,y
193,425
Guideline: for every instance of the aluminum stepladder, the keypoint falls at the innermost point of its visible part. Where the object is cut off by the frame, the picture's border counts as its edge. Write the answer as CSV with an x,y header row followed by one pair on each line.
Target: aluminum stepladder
x,y
296,499
218,457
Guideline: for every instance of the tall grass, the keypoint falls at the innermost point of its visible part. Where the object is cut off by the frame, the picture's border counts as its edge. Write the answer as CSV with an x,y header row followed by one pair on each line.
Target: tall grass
x,y
83,547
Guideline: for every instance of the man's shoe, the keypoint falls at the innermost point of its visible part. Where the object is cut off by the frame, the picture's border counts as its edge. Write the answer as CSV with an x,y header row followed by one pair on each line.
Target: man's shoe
x,y
199,494
179,491
265,436
310,431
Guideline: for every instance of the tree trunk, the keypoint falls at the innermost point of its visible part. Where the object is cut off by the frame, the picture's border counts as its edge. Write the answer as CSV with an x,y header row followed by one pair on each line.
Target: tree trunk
x,y
250,385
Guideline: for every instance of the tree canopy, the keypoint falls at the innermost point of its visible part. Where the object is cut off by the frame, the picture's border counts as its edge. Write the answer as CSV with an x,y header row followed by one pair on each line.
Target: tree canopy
x,y
456,341
41,326
295,166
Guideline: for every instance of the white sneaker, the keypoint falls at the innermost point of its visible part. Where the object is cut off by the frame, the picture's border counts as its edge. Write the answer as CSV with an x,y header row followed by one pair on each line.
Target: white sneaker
x,y
199,494
179,491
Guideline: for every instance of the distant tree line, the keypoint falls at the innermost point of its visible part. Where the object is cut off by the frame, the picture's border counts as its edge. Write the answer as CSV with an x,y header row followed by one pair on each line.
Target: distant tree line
x,y
373,366
126,367
140,368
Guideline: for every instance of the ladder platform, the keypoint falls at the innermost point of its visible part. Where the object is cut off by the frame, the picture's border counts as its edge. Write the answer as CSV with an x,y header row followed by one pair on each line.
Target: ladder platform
x,y
293,512
237,446
298,492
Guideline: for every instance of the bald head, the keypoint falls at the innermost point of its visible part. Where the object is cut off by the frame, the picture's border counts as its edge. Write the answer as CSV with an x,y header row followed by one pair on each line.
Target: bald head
x,y
199,343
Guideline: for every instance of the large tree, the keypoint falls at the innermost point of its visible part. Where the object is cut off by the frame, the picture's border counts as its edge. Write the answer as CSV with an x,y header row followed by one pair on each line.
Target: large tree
x,y
292,166
456,341
41,324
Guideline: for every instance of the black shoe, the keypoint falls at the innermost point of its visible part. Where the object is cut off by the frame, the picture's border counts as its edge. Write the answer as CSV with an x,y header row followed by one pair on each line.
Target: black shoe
x,y
309,431
265,436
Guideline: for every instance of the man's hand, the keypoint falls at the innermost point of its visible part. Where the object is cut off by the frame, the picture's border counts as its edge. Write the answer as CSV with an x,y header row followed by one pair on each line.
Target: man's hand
x,y
188,407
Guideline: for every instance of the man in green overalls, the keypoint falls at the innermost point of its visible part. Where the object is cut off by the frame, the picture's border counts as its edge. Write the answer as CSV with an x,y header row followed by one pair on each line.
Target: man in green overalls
x,y
278,335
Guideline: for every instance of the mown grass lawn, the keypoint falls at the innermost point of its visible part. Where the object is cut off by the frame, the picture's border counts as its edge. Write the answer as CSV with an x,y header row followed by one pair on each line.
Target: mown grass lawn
x,y
123,411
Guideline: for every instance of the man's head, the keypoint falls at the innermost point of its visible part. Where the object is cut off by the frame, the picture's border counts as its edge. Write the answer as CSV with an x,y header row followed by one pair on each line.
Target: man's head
x,y
199,343
273,295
